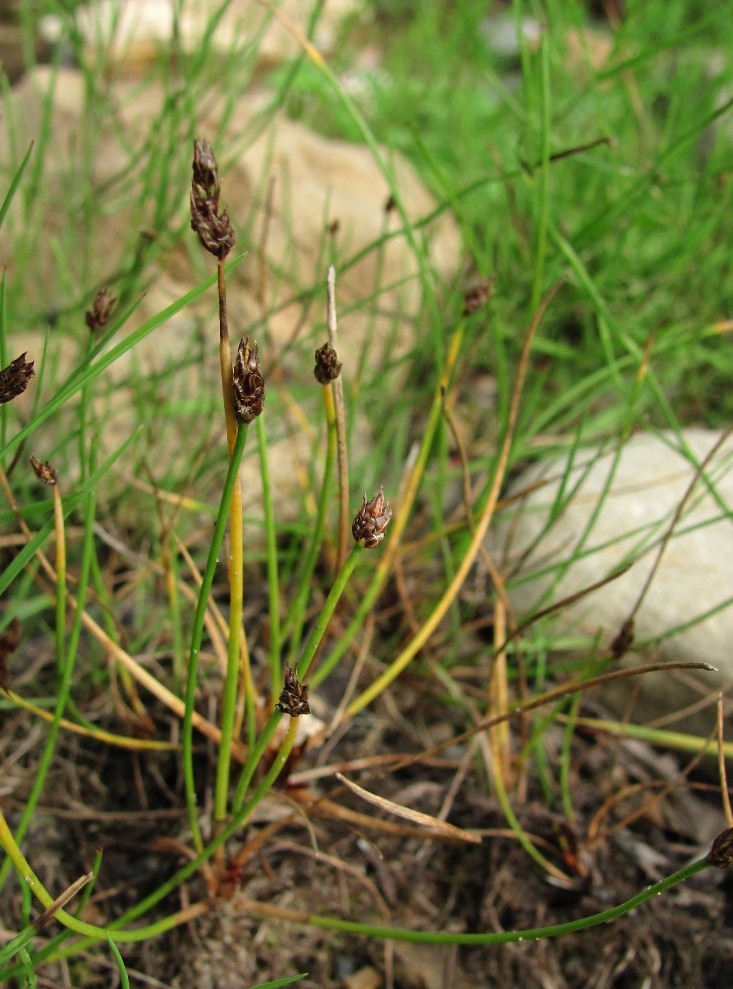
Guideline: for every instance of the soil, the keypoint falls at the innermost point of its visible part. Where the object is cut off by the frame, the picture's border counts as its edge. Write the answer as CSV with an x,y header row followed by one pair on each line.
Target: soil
x,y
635,818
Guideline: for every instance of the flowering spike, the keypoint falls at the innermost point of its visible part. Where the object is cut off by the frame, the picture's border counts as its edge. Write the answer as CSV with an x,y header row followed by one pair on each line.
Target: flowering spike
x,y
371,520
294,695
327,366
44,471
721,850
98,315
14,379
477,296
209,221
249,385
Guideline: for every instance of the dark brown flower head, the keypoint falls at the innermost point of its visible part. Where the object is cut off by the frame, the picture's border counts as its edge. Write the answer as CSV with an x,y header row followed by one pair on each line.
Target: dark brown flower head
x,y
210,222
205,169
249,385
624,640
477,296
44,471
294,696
9,642
98,315
14,379
371,520
721,851
327,366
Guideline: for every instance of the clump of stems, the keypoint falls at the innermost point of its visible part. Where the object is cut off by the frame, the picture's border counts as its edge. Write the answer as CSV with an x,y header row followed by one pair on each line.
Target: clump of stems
x,y
243,397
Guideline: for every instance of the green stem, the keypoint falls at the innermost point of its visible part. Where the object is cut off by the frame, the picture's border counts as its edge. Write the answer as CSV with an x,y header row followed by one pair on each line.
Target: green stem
x,y
519,832
231,680
501,937
197,632
273,585
329,606
92,933
297,612
309,652
58,515
64,659
544,170
28,876
400,521
236,567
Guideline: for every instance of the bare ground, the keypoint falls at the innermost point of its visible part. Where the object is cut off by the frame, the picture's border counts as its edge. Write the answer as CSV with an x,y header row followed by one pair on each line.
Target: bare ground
x,y
635,819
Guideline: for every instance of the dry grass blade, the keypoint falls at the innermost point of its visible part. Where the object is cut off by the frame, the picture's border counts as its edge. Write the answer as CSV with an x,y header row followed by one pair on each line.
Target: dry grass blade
x,y
720,739
415,816
138,672
477,541
60,902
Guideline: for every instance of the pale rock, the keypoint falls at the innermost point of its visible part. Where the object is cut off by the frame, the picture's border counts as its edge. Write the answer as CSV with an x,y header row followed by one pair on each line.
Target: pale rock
x,y
578,525
131,34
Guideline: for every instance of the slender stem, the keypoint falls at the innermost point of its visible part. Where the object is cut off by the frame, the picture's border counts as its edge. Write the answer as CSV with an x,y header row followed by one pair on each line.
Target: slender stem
x,y
225,360
64,658
58,518
500,937
231,680
93,933
337,388
487,513
297,611
399,523
329,606
544,172
530,848
23,869
236,568
309,652
197,632
253,760
273,585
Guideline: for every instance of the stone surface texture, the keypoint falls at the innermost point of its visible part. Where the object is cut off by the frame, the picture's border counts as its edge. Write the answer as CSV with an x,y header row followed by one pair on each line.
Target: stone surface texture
x,y
580,523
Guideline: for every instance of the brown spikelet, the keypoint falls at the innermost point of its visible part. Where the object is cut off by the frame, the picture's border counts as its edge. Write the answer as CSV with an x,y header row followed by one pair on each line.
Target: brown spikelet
x,y
721,850
98,315
624,640
14,378
249,385
294,696
371,520
44,471
327,366
477,296
9,642
210,222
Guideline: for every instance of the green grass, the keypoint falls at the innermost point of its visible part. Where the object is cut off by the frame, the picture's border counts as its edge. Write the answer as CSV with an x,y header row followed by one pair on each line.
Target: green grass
x,y
638,223
612,180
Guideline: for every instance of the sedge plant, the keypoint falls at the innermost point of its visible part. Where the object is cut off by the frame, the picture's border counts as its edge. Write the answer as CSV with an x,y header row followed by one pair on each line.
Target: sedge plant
x,y
333,610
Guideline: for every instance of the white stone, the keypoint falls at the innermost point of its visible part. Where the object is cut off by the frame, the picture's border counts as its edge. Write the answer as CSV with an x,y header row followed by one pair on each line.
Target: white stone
x,y
580,523
130,34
